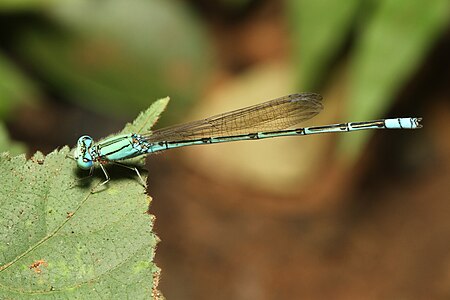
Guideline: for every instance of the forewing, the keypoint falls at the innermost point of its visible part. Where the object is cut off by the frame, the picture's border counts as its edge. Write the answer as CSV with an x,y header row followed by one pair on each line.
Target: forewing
x,y
273,115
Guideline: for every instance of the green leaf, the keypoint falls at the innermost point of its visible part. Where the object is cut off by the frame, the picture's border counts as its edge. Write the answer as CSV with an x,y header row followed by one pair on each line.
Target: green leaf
x,y
114,61
59,240
15,88
146,119
319,30
7,145
392,45
15,5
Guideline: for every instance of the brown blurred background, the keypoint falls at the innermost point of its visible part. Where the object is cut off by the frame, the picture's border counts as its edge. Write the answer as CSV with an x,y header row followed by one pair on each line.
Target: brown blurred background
x,y
346,216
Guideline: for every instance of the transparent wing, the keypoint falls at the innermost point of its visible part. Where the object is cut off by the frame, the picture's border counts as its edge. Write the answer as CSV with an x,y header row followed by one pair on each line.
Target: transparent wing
x,y
273,115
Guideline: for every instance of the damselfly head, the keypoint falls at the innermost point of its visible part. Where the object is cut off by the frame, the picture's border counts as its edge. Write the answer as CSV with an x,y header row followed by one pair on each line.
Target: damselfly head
x,y
82,153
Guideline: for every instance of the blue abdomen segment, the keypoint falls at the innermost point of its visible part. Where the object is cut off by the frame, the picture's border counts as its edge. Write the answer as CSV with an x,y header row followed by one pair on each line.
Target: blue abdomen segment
x,y
122,147
402,123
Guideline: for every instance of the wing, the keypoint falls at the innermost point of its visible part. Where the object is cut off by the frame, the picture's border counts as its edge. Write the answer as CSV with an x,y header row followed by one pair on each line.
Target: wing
x,y
273,115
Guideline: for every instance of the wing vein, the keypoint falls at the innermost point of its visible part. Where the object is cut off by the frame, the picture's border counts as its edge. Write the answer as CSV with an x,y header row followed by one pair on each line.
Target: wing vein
x,y
278,114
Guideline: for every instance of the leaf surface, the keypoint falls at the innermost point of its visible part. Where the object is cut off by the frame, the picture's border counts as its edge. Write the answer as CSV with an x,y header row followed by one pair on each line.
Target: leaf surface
x,y
59,240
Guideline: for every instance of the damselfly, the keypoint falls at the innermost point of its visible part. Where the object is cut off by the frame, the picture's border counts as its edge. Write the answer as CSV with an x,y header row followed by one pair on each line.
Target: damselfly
x,y
266,120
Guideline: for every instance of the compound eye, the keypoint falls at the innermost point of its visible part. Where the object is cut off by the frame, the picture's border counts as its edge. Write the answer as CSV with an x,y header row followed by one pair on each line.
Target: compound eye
x,y
82,152
84,163
85,141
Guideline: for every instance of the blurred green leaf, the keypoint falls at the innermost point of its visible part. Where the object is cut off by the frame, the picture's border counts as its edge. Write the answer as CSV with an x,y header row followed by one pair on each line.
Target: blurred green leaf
x,y
60,240
113,56
15,88
392,45
14,5
6,145
319,31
